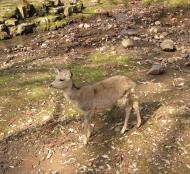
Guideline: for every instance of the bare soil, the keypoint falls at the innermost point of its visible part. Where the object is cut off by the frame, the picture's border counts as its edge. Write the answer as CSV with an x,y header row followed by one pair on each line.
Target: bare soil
x,y
160,145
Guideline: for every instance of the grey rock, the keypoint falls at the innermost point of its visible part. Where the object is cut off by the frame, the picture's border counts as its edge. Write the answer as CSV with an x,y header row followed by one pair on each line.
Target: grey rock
x,y
157,23
127,43
168,45
157,69
129,32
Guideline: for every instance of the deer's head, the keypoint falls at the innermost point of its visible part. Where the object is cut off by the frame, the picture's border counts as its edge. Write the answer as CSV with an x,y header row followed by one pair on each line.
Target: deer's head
x,y
62,80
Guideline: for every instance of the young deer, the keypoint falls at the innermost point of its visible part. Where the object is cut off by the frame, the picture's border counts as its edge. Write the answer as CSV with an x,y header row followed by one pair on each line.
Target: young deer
x,y
90,99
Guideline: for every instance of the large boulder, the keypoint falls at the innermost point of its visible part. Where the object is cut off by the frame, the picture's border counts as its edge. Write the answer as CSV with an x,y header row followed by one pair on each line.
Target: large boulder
x,y
4,35
168,45
25,28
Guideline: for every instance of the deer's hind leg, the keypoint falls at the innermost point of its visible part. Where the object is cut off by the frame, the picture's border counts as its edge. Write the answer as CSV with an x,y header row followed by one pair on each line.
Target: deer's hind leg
x,y
125,103
127,115
87,120
135,105
137,112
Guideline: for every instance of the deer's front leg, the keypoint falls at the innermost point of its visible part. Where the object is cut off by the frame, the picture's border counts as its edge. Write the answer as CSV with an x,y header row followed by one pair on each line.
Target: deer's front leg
x,y
87,120
127,115
137,112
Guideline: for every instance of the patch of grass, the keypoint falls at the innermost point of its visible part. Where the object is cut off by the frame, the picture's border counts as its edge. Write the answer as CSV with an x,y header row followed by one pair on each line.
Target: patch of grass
x,y
83,73
109,58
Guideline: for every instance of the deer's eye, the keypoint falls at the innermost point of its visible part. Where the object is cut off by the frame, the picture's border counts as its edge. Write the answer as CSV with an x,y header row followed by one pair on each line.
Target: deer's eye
x,y
61,80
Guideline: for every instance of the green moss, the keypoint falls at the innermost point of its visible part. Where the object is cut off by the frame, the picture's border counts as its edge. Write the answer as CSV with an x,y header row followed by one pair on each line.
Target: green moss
x,y
9,12
109,58
86,74
50,23
39,9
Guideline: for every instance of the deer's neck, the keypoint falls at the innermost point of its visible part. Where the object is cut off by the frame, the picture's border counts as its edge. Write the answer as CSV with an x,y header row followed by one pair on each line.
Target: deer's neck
x,y
71,93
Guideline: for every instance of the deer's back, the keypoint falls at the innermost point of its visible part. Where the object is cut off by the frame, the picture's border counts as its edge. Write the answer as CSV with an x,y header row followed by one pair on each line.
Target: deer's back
x,y
105,93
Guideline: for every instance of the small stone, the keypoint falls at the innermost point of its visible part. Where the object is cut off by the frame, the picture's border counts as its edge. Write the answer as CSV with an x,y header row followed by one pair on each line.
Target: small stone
x,y
168,45
81,25
157,69
129,32
127,43
86,26
136,38
153,30
44,45
172,59
157,23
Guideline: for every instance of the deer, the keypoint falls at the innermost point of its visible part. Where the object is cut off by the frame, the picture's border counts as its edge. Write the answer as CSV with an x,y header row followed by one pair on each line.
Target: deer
x,y
90,99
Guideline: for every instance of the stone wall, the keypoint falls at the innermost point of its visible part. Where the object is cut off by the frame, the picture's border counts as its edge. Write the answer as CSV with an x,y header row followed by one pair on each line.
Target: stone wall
x,y
26,17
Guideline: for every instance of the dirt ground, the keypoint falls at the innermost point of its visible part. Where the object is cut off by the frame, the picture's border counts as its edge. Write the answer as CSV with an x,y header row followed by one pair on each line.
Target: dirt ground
x,y
40,132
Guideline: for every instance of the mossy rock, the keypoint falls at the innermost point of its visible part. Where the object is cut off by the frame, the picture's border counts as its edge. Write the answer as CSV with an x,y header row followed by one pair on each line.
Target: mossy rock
x,y
68,10
79,7
4,35
46,20
49,3
26,10
3,27
13,30
25,28
12,12
40,9
56,10
51,25
11,22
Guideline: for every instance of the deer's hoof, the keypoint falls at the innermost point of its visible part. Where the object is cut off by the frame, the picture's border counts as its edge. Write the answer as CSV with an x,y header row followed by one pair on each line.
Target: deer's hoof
x,y
85,140
138,124
123,130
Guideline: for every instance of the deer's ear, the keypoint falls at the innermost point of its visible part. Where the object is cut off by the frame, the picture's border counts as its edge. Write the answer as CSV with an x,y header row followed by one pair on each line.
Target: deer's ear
x,y
68,74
